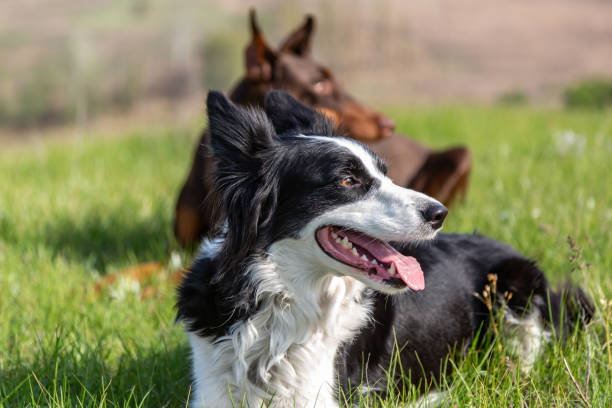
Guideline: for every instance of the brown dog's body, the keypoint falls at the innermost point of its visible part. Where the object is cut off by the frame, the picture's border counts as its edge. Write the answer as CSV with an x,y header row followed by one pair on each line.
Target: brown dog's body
x,y
441,174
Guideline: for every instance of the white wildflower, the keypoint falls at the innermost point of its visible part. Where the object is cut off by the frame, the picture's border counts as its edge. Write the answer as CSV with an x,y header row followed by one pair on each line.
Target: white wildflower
x,y
590,204
176,261
567,141
124,287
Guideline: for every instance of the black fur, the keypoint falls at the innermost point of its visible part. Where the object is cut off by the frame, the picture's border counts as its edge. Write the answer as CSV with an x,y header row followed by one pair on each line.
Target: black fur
x,y
290,117
428,324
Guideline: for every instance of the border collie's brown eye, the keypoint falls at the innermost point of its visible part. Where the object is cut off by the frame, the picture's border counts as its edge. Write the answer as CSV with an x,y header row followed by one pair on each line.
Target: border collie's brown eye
x,y
348,181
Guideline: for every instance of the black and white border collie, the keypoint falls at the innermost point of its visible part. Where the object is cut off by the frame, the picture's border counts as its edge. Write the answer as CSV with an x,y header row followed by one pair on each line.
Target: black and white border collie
x,y
319,276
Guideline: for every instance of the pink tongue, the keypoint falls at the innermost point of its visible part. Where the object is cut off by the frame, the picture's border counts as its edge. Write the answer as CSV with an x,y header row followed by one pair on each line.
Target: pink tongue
x,y
407,267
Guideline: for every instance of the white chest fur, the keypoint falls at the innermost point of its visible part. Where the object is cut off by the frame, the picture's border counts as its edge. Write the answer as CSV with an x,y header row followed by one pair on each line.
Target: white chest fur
x,y
284,353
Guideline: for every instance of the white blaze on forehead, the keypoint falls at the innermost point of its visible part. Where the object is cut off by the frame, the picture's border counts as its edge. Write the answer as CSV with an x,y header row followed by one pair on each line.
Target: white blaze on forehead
x,y
358,150
391,213
394,194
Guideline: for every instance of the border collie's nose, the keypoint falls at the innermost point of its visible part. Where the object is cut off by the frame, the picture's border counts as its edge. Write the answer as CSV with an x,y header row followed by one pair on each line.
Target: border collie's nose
x,y
435,214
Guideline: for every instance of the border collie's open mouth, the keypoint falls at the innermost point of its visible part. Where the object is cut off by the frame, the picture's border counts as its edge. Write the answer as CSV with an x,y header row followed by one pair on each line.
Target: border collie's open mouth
x,y
376,259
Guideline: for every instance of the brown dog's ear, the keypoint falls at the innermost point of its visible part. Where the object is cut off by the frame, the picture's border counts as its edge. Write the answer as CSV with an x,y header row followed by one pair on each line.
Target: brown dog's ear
x,y
298,42
259,57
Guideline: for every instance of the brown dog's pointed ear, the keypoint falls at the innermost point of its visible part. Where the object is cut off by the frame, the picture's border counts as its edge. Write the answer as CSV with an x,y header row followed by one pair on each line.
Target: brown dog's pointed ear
x,y
259,57
298,42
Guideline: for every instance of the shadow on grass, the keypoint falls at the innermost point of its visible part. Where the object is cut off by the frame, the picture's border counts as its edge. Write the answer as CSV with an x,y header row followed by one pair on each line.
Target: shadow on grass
x,y
159,378
102,239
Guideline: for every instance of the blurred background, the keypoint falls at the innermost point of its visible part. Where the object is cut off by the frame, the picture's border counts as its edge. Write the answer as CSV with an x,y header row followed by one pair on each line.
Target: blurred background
x,y
69,62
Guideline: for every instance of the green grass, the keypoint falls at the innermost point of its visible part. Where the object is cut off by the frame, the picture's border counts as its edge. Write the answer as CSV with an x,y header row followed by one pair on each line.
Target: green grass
x,y
74,211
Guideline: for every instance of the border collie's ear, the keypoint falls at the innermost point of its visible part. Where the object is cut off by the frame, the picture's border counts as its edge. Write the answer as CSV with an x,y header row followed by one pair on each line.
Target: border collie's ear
x,y
290,116
236,134
242,141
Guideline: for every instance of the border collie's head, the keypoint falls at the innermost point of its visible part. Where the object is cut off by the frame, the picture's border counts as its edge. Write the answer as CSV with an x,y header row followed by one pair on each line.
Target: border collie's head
x,y
318,203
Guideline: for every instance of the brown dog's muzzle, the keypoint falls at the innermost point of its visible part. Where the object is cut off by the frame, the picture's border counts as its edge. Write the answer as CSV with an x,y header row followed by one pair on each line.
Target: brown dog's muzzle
x,y
361,123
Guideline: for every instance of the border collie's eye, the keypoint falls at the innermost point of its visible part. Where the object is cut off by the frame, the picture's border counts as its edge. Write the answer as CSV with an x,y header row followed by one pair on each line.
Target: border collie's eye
x,y
348,181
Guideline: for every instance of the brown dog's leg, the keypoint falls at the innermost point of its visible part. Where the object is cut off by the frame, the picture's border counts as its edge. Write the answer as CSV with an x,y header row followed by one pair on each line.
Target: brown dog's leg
x,y
464,169
444,175
192,220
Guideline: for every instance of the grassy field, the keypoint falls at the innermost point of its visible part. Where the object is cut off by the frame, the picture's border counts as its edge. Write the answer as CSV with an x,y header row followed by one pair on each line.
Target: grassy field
x,y
72,212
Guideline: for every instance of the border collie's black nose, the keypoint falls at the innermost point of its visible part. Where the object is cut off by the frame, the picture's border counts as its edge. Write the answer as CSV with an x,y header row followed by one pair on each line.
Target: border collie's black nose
x,y
435,214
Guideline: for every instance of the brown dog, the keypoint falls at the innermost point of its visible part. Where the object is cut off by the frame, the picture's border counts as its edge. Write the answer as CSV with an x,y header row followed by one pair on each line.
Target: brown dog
x,y
441,174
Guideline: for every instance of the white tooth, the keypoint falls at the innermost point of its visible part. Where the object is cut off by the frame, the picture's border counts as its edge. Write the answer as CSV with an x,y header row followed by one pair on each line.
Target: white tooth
x,y
374,262
338,240
391,270
334,235
365,258
354,252
346,243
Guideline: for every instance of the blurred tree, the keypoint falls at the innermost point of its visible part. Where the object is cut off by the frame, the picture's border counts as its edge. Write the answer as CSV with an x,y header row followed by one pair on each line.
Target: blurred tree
x,y
590,93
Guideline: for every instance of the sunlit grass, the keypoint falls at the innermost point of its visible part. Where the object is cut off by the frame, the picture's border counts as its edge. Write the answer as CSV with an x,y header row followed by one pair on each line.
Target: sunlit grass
x,y
72,212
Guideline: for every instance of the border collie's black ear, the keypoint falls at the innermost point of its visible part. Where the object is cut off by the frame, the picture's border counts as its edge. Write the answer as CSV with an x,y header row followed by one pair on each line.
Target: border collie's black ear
x,y
290,116
242,141
237,134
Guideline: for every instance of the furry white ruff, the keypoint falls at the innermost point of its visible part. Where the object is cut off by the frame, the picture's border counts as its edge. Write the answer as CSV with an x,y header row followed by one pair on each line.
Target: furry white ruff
x,y
284,354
